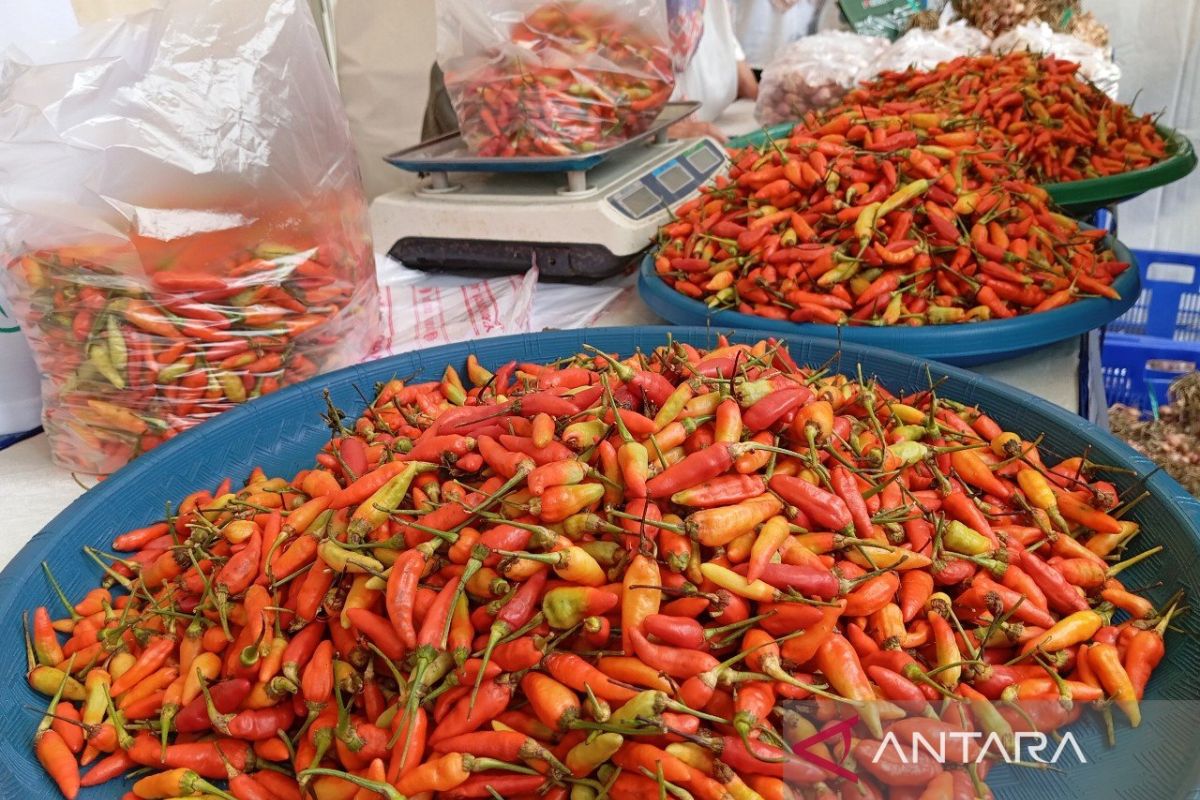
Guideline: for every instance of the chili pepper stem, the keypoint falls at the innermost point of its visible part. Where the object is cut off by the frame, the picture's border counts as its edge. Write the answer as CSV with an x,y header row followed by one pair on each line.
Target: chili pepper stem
x,y
1171,607
116,577
499,630
1117,568
30,658
498,495
124,740
48,717
425,656
666,526
1110,732
62,597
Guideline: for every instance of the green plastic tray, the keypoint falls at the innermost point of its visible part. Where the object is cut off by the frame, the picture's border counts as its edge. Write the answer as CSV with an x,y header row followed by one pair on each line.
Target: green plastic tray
x,y
1081,198
1077,198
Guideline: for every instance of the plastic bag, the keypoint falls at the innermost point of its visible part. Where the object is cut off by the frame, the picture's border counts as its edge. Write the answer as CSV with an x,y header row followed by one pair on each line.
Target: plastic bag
x,y
1095,63
181,220
535,78
423,309
923,50
813,73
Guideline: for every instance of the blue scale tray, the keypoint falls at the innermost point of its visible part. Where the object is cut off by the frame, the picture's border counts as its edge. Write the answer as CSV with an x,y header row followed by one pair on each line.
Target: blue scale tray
x,y
282,432
964,344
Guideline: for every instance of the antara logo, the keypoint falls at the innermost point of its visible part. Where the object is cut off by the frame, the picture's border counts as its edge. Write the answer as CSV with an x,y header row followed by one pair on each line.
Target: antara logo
x,y
948,746
958,746
843,729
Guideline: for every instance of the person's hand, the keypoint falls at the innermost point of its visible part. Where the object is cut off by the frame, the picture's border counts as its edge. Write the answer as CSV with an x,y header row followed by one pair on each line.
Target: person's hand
x,y
747,84
689,129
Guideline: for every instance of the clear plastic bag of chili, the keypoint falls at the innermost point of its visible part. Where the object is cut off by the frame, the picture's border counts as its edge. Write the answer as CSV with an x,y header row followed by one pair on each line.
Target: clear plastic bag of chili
x,y
553,78
167,267
813,73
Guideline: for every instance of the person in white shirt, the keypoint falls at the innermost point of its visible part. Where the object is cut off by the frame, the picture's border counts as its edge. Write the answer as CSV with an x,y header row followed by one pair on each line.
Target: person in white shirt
x,y
716,75
764,26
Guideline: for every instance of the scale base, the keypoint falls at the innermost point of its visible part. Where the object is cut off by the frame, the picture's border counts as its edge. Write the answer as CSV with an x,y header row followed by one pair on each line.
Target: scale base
x,y
558,261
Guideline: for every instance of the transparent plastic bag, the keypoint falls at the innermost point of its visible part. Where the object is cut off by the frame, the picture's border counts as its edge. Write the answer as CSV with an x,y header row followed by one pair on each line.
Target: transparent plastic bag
x,y
923,50
536,78
813,73
182,223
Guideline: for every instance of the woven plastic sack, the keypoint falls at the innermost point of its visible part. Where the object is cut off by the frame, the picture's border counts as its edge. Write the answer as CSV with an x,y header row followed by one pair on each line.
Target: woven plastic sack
x,y
813,73
535,78
182,224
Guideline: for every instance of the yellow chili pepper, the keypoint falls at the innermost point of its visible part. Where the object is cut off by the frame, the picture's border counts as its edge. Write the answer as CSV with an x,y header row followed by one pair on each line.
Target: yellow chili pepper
x,y
902,196
1070,630
673,405
232,386
98,357
585,757
864,226
728,579
340,559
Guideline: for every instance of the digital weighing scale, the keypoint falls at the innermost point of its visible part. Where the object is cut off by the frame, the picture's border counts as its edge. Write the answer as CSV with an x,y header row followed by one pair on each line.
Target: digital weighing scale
x,y
583,216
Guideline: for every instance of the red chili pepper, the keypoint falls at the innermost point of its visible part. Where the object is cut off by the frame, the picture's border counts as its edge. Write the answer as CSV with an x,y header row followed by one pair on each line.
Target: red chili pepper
x,y
826,509
695,468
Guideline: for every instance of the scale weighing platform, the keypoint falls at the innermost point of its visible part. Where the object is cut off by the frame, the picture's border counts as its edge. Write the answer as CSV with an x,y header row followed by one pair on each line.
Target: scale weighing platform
x,y
578,217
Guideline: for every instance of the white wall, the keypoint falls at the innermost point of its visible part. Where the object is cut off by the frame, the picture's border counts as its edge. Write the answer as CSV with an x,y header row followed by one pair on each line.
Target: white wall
x,y
385,50
1157,45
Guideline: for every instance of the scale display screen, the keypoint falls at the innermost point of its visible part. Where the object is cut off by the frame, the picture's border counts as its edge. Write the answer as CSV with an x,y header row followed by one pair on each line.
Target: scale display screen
x,y
704,159
668,183
639,201
674,178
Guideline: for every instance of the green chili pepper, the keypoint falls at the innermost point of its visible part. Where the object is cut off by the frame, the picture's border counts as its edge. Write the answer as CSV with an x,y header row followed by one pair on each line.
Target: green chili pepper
x,y
98,358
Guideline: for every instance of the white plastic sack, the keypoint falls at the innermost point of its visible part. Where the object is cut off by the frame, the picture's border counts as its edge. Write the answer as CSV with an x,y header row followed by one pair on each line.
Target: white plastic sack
x,y
923,50
1095,63
423,309
813,73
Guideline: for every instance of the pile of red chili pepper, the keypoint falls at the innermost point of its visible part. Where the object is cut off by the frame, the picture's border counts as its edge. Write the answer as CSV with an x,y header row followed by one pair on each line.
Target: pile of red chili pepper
x,y
129,361
602,577
1056,126
879,217
577,76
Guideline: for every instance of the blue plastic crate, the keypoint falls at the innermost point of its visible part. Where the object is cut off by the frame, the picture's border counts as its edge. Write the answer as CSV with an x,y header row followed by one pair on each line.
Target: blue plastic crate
x,y
1158,339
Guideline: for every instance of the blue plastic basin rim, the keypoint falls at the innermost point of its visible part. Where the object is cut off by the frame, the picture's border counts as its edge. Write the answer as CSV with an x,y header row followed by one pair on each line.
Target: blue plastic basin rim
x,y
964,344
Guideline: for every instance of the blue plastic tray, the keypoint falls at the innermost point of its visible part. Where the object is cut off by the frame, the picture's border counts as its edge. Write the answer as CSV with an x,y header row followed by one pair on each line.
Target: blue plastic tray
x,y
965,344
281,432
